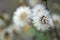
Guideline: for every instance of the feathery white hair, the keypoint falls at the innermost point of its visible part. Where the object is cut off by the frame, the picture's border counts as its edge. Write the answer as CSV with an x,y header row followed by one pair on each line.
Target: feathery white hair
x,y
41,18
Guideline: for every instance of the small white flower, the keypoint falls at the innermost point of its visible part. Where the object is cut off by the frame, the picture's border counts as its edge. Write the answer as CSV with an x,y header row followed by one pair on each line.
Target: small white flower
x,y
14,28
22,16
2,24
41,18
56,18
7,34
32,2
6,16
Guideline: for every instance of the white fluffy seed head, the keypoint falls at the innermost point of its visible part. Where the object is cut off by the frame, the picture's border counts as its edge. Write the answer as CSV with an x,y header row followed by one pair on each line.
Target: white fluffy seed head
x,y
22,16
41,18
